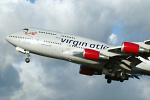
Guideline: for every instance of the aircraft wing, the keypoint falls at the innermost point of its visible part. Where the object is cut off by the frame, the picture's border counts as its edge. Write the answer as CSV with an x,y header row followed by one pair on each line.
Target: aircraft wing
x,y
123,62
135,49
123,57
128,54
119,60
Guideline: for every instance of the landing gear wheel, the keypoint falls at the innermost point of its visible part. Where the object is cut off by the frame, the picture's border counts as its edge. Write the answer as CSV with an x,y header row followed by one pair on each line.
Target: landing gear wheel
x,y
27,60
121,80
118,75
108,81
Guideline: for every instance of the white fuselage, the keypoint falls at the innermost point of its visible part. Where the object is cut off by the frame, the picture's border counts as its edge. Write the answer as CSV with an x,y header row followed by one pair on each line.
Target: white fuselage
x,y
55,45
62,46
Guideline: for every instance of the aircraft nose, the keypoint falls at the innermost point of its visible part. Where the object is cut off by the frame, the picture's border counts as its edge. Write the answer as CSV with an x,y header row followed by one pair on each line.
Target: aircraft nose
x,y
7,38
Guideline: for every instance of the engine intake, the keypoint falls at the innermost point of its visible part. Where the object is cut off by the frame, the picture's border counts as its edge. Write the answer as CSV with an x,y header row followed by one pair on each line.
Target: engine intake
x,y
94,55
133,48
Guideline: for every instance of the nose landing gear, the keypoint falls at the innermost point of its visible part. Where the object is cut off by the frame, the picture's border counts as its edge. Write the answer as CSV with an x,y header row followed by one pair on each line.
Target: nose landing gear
x,y
27,60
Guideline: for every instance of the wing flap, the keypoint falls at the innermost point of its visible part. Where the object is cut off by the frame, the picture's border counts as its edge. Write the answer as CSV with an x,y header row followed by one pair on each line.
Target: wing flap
x,y
115,49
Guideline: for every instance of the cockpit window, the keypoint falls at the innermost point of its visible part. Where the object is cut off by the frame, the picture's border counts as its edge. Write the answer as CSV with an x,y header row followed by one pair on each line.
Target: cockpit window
x,y
26,29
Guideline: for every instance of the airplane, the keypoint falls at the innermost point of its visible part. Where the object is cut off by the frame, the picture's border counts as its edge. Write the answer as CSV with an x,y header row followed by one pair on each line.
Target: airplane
x,y
117,63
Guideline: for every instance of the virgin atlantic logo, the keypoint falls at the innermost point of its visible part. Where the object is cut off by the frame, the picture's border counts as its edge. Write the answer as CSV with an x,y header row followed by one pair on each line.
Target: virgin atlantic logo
x,y
30,33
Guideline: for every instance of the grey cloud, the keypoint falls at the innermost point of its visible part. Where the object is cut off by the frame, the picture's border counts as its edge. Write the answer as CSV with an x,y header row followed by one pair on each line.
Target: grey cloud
x,y
9,78
9,83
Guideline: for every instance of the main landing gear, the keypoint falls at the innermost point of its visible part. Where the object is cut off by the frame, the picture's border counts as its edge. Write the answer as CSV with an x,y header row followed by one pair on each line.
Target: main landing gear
x,y
117,76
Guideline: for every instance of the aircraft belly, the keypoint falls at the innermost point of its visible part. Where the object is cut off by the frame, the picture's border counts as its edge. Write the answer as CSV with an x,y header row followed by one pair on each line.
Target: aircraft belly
x,y
54,51
51,51
44,50
82,61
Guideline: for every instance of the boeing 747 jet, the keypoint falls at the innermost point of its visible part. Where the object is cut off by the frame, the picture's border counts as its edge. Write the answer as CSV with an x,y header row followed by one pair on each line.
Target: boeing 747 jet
x,y
96,58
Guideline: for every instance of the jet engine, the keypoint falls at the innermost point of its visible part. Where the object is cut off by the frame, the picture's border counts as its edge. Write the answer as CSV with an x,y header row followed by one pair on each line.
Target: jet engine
x,y
94,55
133,48
85,70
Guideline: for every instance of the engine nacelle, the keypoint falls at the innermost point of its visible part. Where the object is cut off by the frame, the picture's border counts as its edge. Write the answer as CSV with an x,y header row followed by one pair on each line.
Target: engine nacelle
x,y
85,70
93,55
133,48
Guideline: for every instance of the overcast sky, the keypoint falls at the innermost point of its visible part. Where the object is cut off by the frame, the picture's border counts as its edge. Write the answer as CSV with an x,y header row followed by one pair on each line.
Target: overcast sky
x,y
109,21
